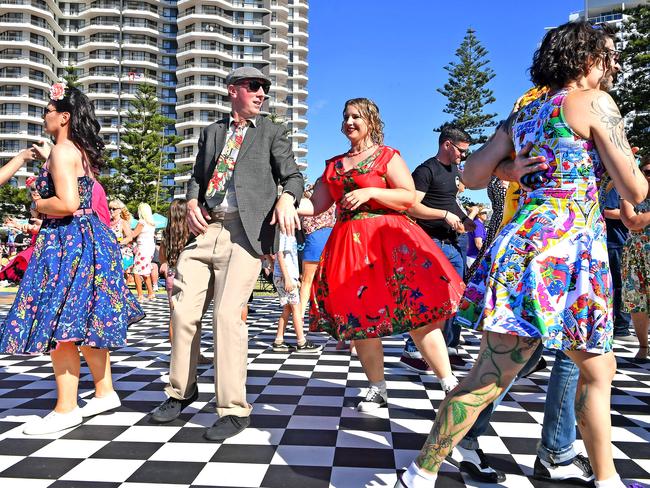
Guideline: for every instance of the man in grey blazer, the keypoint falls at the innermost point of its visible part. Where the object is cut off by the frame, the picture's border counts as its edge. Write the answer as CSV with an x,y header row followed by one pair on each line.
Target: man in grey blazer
x,y
232,209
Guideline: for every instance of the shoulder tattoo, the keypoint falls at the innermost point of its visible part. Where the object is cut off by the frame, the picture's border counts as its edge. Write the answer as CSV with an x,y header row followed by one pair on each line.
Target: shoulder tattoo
x,y
604,108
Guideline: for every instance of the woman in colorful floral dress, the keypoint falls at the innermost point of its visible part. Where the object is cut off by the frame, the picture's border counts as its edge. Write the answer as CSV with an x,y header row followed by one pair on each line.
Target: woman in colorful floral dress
x,y
73,292
636,267
546,277
379,275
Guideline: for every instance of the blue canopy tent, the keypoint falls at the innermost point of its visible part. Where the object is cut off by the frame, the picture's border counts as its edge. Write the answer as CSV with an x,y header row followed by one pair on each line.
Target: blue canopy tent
x,y
160,221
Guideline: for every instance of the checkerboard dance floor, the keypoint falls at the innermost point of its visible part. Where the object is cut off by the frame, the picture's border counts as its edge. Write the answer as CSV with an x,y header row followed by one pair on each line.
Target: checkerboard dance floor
x,y
305,432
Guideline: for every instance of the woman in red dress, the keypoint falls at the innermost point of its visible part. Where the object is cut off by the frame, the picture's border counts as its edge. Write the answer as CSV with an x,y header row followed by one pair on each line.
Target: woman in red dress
x,y
379,274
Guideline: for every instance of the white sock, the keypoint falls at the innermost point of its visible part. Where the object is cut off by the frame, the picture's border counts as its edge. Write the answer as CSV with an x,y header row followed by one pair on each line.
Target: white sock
x,y
381,386
415,477
613,482
448,383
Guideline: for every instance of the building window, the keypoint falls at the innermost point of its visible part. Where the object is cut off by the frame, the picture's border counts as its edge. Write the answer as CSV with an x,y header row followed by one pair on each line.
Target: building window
x,y
10,127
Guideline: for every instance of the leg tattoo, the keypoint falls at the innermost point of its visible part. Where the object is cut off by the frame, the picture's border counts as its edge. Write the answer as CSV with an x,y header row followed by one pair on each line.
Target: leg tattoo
x,y
483,385
581,405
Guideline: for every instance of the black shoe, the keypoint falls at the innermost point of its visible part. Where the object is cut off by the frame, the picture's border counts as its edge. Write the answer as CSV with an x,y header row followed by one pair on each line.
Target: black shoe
x,y
226,427
474,463
171,408
281,347
541,364
418,365
308,348
578,470
399,483
459,363
374,400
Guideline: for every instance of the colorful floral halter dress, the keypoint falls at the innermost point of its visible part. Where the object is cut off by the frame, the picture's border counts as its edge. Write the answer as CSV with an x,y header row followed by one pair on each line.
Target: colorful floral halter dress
x,y
547,273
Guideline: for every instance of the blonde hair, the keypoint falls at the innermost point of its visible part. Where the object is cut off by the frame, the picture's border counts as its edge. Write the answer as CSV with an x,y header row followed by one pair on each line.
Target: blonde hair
x,y
370,114
124,212
117,202
144,213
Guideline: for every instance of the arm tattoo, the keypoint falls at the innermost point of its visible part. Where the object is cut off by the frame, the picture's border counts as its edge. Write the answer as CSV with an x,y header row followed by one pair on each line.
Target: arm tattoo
x,y
609,115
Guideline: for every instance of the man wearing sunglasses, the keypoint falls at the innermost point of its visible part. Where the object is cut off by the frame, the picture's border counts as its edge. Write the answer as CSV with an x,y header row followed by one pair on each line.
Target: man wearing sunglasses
x,y
437,182
232,209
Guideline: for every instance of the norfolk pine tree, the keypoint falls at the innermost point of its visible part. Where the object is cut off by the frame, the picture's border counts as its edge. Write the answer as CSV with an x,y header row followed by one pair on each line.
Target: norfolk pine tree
x,y
466,90
138,174
70,76
633,90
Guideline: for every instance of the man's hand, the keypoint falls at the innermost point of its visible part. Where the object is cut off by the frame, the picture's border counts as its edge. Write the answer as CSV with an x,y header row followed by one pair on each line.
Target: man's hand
x,y
197,217
42,150
509,170
285,215
289,284
454,222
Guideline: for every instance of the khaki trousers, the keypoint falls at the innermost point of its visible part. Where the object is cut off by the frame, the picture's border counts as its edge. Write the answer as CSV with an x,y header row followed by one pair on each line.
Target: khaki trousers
x,y
220,264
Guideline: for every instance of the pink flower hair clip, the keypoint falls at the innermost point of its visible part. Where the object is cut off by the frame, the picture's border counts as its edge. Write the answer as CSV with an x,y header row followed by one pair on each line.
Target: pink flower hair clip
x,y
57,91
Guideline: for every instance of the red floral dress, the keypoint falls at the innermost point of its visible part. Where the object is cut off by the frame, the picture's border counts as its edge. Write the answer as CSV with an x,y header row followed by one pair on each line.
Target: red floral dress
x,y
380,274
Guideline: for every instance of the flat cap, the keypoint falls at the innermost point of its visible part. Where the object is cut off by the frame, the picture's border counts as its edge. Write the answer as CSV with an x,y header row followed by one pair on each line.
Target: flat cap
x,y
245,73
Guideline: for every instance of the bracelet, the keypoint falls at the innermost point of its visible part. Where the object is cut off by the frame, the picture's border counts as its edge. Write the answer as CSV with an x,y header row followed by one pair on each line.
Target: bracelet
x,y
446,213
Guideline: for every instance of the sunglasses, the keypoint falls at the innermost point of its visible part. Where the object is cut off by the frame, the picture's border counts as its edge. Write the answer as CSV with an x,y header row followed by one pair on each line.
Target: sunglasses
x,y
255,85
646,172
614,55
463,152
47,111
115,208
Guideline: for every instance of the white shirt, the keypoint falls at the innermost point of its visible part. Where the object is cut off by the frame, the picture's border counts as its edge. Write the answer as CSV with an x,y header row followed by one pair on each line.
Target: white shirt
x,y
289,248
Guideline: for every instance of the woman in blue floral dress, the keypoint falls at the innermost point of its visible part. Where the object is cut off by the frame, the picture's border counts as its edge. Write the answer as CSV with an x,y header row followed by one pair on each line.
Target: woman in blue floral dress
x,y
73,293
546,276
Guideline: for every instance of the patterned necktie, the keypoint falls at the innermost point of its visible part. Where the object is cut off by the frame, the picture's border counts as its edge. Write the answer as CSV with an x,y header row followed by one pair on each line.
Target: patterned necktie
x,y
225,166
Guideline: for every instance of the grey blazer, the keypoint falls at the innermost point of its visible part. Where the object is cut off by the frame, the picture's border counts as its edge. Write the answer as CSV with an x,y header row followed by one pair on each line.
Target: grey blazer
x,y
265,160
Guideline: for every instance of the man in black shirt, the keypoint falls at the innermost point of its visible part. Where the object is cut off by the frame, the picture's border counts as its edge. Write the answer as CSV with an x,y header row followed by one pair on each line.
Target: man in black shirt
x,y
437,210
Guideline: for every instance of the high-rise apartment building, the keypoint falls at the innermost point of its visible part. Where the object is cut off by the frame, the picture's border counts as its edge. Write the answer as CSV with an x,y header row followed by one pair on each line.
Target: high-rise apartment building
x,y
599,11
184,48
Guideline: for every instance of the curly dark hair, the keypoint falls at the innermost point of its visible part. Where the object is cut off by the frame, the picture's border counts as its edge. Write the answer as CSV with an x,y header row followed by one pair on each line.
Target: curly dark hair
x,y
84,127
177,232
568,51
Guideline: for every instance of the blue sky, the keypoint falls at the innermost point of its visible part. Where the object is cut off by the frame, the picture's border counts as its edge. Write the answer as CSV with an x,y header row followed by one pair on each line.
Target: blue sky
x,y
394,53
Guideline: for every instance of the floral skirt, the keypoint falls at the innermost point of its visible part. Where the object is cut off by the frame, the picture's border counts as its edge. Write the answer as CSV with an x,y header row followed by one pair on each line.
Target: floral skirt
x,y
636,274
142,260
381,276
546,276
73,291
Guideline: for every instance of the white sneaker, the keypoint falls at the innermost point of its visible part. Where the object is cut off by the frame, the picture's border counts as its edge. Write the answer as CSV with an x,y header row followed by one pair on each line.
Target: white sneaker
x,y
54,422
97,405
374,400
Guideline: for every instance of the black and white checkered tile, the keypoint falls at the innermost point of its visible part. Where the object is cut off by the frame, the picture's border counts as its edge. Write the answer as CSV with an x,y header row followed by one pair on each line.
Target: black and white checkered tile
x,y
305,431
